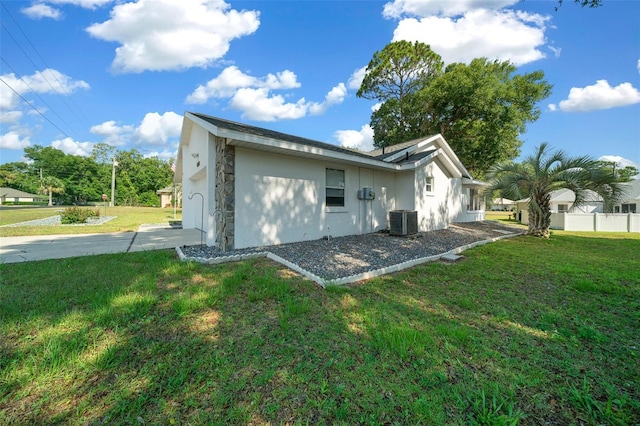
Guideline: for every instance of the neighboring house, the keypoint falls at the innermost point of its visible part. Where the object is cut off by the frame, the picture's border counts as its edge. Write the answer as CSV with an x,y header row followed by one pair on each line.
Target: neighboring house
x,y
562,202
246,186
631,201
502,204
167,194
10,195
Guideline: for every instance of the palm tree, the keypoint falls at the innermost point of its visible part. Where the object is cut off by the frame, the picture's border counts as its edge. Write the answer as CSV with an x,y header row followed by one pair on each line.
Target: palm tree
x,y
51,184
546,171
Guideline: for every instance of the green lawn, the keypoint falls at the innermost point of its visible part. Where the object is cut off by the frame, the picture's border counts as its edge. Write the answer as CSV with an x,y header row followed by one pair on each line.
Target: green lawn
x,y
127,219
523,330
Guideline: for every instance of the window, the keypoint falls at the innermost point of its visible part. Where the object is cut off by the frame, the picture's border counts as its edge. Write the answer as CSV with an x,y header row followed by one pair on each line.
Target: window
x,y
628,208
335,188
474,200
616,209
428,182
563,208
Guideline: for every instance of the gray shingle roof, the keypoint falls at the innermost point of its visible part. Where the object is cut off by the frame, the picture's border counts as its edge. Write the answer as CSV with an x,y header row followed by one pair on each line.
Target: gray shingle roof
x,y
16,193
259,131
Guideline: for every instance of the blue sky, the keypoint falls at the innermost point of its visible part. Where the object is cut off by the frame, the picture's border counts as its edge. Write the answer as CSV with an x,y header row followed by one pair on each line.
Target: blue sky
x,y
79,72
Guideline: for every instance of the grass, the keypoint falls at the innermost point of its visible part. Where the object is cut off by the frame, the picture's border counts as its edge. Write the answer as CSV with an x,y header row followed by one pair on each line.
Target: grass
x,y
128,219
523,331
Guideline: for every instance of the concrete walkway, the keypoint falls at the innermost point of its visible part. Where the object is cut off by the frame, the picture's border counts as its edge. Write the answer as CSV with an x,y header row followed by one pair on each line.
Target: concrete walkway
x,y
41,247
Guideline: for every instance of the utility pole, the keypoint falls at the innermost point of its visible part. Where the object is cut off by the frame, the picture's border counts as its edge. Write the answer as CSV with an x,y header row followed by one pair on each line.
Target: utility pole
x,y
113,183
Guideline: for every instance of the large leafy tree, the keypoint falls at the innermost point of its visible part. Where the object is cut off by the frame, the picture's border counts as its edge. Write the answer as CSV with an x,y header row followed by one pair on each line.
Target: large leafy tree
x,y
480,108
547,170
394,75
84,179
20,175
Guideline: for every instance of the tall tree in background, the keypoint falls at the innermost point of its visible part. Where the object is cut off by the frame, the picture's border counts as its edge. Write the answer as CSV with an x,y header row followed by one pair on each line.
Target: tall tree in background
x,y
84,179
480,108
394,75
546,171
51,185
624,174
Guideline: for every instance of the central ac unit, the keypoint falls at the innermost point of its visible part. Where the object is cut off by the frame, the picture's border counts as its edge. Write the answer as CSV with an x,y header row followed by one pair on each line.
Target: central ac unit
x,y
403,222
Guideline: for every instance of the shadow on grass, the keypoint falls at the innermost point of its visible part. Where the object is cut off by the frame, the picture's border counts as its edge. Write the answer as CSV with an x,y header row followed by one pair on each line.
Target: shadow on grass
x,y
143,338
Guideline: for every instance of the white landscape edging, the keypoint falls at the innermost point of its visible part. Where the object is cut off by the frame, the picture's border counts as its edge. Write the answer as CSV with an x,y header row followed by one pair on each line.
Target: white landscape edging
x,y
344,280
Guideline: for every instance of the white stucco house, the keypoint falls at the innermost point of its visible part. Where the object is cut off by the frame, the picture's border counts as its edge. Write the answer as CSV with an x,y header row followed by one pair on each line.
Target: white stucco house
x,y
562,201
631,200
246,186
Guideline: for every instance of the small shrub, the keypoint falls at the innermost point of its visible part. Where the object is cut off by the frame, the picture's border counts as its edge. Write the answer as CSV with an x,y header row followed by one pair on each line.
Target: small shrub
x,y
72,215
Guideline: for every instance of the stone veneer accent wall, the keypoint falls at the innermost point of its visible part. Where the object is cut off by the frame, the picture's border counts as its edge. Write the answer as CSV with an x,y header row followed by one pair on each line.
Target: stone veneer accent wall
x,y
225,194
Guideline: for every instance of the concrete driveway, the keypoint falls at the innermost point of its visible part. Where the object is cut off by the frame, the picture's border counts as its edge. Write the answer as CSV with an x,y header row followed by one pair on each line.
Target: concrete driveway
x,y
25,249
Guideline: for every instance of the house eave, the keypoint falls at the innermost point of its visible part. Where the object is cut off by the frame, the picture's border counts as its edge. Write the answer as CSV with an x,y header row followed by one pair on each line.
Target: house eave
x,y
262,143
268,144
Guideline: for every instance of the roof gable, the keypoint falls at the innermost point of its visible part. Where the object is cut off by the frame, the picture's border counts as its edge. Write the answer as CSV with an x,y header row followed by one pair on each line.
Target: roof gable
x,y
632,190
16,193
405,156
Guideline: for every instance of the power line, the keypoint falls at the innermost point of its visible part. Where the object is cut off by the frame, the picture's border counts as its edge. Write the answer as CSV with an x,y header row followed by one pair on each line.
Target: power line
x,y
60,85
39,97
44,116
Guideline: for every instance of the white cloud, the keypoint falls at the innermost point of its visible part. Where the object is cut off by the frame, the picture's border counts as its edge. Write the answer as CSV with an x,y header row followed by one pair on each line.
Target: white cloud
x,y
10,117
109,128
69,146
362,139
422,8
156,129
334,97
231,79
255,98
160,35
598,96
556,51
355,81
503,35
259,104
620,161
86,4
46,81
114,134
12,140
41,10
163,155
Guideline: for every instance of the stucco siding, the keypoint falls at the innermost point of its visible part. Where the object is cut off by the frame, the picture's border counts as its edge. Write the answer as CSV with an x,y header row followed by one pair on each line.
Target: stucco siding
x,y
195,164
405,191
435,208
279,200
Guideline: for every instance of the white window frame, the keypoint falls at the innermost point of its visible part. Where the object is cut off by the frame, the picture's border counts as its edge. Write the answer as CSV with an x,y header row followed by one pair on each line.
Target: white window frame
x,y
429,184
475,201
341,187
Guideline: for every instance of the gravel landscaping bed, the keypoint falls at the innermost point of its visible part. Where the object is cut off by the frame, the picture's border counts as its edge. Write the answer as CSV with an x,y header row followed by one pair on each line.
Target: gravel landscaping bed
x,y
356,254
55,220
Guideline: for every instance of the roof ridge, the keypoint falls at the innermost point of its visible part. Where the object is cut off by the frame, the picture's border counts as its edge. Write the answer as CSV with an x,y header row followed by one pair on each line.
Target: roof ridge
x,y
277,134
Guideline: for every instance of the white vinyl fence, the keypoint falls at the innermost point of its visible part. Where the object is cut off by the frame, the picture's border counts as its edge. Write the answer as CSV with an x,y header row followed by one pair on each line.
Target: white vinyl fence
x,y
602,222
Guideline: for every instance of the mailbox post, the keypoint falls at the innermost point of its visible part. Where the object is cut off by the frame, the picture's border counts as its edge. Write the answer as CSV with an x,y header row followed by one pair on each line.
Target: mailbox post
x,y
104,199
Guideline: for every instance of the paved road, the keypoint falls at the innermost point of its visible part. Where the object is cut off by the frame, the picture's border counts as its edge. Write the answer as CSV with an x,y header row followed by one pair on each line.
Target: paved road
x,y
25,249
